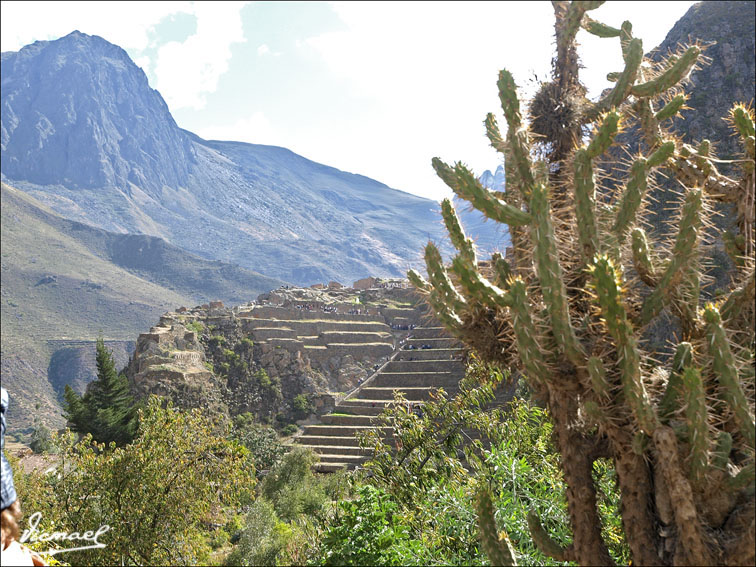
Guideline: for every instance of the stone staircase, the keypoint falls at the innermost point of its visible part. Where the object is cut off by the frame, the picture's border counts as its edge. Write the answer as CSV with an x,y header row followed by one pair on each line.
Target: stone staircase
x,y
427,360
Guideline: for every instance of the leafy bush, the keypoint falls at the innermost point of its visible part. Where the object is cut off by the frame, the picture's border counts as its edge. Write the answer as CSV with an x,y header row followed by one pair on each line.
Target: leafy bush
x,y
261,441
302,406
195,326
262,539
289,429
292,487
369,531
156,492
41,439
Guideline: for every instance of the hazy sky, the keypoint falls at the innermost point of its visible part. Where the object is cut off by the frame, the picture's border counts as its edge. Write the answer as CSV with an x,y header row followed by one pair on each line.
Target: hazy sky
x,y
376,88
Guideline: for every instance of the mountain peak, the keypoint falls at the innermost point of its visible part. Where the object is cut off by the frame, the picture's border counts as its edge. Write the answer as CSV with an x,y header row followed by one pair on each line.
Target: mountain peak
x,y
82,91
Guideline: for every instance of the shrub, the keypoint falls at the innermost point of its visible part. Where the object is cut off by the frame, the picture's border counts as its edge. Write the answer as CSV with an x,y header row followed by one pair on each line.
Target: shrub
x,y
302,406
261,441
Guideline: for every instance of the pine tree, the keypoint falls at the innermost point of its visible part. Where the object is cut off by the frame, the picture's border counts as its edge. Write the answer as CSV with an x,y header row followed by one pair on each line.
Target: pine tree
x,y
107,410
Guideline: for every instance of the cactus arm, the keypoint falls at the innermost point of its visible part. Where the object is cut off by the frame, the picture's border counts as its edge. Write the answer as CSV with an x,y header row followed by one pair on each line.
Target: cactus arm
x,y
607,286
418,281
551,277
526,335
517,137
502,270
733,250
447,315
682,255
671,108
585,204
443,311
648,121
456,234
631,198
696,417
544,543
669,78
670,401
661,155
727,373
742,120
681,497
463,183
496,545
623,85
439,279
585,188
626,35
642,257
598,29
721,455
740,298
494,134
478,288
597,373
605,135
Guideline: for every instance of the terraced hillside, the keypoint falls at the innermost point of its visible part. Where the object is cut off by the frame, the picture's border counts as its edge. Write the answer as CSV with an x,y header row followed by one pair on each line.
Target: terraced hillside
x,y
427,360
292,343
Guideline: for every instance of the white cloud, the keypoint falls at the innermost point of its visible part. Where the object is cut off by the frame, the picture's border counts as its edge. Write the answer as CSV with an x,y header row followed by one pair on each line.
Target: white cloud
x,y
186,72
126,24
263,49
431,69
144,62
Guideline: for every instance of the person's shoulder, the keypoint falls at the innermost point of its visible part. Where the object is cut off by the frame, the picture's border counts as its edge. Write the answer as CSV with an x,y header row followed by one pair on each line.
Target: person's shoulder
x,y
20,555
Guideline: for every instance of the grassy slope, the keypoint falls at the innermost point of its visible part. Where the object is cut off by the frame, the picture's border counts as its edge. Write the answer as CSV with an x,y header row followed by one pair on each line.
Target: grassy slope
x,y
91,294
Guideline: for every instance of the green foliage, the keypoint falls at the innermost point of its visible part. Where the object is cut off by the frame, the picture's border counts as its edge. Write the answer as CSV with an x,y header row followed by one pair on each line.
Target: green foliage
x,y
429,447
107,410
289,429
263,538
156,493
196,326
41,439
368,531
302,406
263,379
261,441
292,487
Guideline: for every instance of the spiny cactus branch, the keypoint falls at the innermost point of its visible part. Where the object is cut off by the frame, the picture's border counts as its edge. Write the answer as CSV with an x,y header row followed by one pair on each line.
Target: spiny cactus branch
x,y
496,545
544,543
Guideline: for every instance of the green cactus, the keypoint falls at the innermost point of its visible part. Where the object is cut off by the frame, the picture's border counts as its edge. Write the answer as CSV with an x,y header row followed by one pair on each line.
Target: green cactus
x,y
496,545
579,299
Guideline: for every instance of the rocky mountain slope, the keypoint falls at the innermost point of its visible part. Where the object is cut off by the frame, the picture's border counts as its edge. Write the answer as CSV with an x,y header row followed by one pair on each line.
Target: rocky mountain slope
x,y
83,132
63,282
728,29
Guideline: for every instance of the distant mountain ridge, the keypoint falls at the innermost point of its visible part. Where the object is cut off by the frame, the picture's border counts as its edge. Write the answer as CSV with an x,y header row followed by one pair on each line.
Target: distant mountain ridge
x,y
83,132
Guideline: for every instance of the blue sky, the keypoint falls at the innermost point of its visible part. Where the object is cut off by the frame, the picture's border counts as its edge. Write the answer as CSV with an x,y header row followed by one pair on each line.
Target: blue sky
x,y
376,88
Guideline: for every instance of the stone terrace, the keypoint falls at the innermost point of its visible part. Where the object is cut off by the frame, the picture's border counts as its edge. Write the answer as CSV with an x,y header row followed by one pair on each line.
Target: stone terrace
x,y
428,360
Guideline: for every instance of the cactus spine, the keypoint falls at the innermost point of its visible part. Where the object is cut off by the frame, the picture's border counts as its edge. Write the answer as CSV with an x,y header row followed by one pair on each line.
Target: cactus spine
x,y
677,424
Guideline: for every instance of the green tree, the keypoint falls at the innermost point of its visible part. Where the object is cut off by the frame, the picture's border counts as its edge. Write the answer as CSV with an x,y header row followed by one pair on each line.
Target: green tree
x,y
157,493
261,441
41,439
107,410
